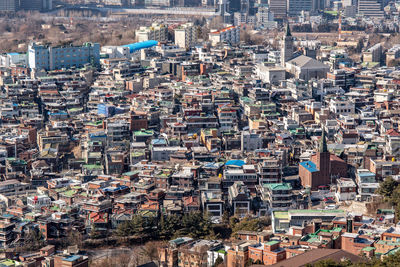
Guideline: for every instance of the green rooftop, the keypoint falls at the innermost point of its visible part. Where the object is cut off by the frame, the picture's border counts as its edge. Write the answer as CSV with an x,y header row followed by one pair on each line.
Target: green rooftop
x,y
271,243
368,249
70,193
281,215
278,186
143,133
8,262
315,211
92,166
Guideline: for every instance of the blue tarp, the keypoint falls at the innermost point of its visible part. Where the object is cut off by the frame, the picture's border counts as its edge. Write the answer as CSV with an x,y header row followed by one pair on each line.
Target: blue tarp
x,y
137,46
235,162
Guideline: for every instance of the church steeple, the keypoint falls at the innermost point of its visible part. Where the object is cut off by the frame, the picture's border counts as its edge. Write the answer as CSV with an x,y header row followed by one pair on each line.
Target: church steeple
x,y
287,46
287,32
323,146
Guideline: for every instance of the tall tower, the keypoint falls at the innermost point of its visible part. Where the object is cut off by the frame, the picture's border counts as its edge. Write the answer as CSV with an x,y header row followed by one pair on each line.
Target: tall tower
x,y
323,162
287,46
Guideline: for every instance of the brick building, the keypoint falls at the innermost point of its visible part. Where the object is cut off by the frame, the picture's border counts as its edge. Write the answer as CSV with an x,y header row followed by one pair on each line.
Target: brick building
x,y
322,168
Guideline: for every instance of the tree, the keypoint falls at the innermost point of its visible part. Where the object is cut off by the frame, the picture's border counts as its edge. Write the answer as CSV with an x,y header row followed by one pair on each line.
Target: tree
x,y
225,217
168,225
94,232
196,225
218,262
34,240
74,238
150,250
387,187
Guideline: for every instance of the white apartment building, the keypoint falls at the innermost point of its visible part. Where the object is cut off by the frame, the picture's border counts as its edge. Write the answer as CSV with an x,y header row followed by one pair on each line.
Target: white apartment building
x,y
38,202
230,35
250,141
341,107
186,35
157,32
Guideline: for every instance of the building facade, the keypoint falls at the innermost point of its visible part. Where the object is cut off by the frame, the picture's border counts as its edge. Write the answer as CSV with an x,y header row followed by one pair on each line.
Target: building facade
x,y
53,58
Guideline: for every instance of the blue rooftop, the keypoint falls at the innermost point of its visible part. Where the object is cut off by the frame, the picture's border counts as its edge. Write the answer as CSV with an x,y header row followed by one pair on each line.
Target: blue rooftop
x,y
364,174
138,46
72,258
309,165
158,142
235,162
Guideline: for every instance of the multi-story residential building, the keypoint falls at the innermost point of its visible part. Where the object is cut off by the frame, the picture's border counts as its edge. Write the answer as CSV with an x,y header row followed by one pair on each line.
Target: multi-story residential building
x,y
384,168
239,199
346,189
392,140
195,253
186,35
213,203
366,183
373,54
168,254
156,32
230,35
267,253
163,153
392,54
118,133
71,261
227,117
38,202
283,220
341,78
250,141
269,171
59,57
278,196
7,236
265,17
341,106
246,173
13,187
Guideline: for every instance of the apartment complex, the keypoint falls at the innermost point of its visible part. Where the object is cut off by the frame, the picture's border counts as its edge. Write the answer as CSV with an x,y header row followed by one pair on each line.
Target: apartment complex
x,y
59,57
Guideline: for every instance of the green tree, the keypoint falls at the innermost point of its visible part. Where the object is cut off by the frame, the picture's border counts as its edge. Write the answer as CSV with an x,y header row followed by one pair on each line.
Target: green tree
x,y
387,187
218,262
196,225
33,240
168,225
225,217
94,232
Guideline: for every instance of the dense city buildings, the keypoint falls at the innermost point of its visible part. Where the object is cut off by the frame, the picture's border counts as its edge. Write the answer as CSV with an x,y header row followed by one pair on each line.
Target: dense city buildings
x,y
199,133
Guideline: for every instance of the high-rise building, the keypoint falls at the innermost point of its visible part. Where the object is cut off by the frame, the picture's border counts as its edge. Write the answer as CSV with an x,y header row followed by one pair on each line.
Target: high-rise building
x,y
31,4
278,7
234,6
371,8
287,47
264,16
9,5
245,6
295,7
